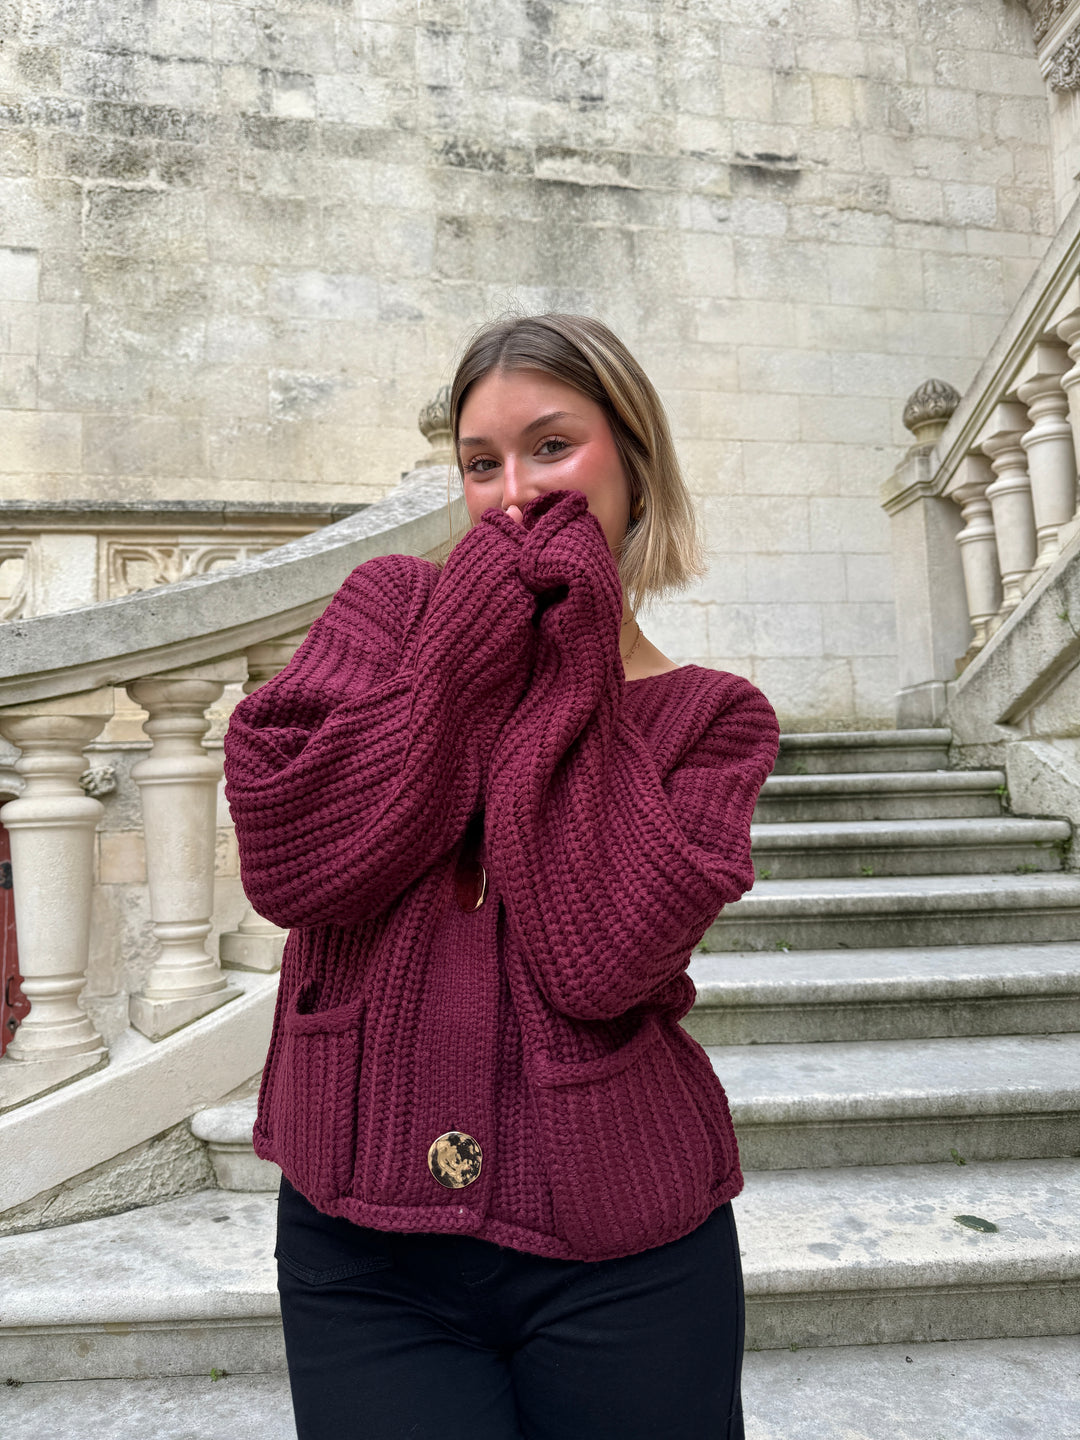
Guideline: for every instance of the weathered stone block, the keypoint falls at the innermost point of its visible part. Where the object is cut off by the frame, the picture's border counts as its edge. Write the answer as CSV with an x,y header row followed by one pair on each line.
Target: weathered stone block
x,y
60,329
767,269
779,524
869,577
260,228
913,198
18,153
917,333
863,275
39,214
121,857
730,629
963,282
19,274
18,327
796,372
38,66
148,224
848,524
37,442
160,122
970,204
874,682
805,580
144,444
806,690
848,420
18,382
859,629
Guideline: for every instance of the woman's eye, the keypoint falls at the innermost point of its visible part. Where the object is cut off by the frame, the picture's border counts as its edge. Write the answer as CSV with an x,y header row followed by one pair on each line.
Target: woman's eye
x,y
477,466
559,445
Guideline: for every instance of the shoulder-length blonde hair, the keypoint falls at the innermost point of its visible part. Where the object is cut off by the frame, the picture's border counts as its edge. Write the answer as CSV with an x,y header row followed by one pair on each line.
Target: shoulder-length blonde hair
x,y
662,549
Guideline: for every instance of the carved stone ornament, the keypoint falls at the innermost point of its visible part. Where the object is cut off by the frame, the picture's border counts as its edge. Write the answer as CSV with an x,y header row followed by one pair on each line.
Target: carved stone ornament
x,y
1043,14
931,405
434,422
98,782
1064,72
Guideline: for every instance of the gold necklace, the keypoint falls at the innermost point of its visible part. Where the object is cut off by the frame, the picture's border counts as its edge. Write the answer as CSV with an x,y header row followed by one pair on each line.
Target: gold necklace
x,y
634,646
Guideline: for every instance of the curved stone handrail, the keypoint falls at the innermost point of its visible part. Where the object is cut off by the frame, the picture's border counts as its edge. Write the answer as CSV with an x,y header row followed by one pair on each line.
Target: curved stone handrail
x,y
209,617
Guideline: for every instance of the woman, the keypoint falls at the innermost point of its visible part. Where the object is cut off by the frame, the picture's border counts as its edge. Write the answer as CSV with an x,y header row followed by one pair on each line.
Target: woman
x,y
496,820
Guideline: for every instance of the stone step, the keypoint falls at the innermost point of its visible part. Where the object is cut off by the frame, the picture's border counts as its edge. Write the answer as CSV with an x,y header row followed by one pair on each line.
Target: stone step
x,y
747,998
888,795
874,1255
226,1131
852,1392
178,1288
234,1406
921,910
895,1102
832,753
951,1390
863,1255
789,850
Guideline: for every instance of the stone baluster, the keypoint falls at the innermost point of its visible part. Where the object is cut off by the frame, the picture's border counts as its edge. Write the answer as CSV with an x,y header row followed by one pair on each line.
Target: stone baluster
x,y
178,783
978,547
1049,446
1010,498
1068,328
52,827
257,944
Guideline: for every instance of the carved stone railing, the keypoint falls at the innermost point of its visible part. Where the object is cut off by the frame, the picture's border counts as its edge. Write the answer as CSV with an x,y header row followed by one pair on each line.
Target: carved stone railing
x,y
984,506
173,651
60,555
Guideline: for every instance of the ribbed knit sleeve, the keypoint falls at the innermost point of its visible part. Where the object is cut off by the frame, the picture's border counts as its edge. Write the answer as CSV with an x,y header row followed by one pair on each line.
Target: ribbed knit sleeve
x,y
611,870
355,768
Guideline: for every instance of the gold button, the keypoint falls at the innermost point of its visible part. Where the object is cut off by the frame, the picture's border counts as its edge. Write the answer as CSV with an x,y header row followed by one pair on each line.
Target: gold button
x,y
454,1159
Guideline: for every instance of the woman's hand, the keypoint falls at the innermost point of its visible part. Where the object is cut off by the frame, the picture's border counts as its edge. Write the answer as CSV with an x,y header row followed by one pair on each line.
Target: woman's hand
x,y
508,522
565,546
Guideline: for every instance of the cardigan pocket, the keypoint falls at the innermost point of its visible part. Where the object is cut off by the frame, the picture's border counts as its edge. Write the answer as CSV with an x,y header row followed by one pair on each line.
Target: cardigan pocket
x,y
632,1159
314,1101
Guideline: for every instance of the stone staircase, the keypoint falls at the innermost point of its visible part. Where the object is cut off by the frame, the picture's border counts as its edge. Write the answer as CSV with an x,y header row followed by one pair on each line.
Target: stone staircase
x,y
894,1012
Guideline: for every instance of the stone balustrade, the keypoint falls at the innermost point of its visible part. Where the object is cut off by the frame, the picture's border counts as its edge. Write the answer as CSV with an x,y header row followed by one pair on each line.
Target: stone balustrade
x,y
59,555
985,505
172,653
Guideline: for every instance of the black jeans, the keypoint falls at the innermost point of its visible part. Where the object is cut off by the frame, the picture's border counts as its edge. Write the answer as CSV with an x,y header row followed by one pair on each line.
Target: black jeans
x,y
445,1337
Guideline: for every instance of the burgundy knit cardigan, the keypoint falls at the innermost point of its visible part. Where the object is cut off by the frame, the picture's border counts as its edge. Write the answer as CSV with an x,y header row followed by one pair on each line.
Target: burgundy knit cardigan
x,y
423,705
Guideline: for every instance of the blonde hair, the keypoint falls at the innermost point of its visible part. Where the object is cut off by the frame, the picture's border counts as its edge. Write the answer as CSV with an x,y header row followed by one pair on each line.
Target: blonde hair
x,y
662,549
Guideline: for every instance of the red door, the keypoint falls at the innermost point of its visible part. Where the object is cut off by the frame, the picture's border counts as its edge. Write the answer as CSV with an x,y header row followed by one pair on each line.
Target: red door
x,y
14,1005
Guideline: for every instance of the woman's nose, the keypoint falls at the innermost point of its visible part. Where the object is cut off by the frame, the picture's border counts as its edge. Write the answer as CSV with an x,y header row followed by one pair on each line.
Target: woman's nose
x,y
515,483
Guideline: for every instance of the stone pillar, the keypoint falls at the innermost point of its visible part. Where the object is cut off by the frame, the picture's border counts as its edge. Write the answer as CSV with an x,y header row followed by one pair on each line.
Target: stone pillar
x,y
978,546
1049,447
1068,328
257,944
1010,498
52,827
178,783
933,629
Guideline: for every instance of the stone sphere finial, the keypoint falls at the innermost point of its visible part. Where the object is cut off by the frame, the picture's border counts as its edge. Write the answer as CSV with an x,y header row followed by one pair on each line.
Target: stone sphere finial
x,y
434,422
928,410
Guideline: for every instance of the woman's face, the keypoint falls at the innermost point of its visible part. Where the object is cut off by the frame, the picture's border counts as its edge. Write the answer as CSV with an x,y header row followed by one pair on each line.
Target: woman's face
x,y
523,432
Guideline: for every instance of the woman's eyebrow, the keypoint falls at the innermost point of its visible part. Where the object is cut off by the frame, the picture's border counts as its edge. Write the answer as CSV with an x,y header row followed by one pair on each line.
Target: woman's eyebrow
x,y
535,425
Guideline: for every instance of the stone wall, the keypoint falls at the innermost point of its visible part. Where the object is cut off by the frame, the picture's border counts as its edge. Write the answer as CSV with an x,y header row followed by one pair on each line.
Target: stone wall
x,y
1056,32
242,243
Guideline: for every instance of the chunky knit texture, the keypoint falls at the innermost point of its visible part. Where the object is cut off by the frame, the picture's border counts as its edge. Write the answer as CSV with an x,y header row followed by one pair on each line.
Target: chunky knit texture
x,y
432,716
